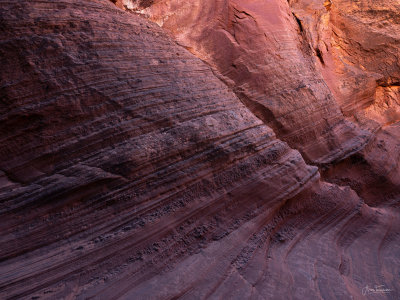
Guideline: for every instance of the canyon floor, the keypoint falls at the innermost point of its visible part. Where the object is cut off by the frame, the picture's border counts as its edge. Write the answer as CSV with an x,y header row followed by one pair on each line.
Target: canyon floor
x,y
205,149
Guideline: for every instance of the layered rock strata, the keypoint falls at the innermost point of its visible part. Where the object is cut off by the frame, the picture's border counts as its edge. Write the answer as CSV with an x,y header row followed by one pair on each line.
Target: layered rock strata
x,y
134,170
259,49
323,75
118,147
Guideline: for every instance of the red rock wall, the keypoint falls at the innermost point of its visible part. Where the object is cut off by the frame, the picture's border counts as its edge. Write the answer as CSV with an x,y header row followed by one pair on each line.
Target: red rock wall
x,y
133,169
118,146
360,45
305,69
262,52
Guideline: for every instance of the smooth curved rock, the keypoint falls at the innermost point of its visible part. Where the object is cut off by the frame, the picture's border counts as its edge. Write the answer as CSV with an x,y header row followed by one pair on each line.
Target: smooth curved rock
x,y
131,171
298,65
260,49
118,147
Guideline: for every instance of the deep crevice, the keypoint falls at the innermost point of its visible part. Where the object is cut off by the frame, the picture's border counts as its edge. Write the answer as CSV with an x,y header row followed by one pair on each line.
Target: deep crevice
x,y
387,83
319,55
298,22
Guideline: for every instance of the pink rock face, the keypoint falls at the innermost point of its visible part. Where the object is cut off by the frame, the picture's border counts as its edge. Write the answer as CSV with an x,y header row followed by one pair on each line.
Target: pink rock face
x,y
121,150
261,51
132,169
360,45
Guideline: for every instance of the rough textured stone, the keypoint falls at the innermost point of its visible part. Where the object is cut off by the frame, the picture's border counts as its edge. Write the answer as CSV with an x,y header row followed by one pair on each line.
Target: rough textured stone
x,y
132,169
360,45
117,145
260,49
323,75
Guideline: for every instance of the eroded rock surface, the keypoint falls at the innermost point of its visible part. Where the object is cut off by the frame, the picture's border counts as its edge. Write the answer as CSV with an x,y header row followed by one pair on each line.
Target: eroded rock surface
x,y
260,49
118,147
134,170
360,45
323,74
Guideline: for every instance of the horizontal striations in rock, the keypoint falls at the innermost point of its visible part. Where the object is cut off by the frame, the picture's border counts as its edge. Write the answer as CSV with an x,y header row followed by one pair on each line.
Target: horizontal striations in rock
x,y
120,150
315,246
130,171
261,49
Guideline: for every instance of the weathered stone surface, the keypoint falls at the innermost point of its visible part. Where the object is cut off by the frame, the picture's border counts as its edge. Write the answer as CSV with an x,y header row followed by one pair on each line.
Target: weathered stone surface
x,y
118,147
260,49
321,245
295,63
129,170
360,45
374,172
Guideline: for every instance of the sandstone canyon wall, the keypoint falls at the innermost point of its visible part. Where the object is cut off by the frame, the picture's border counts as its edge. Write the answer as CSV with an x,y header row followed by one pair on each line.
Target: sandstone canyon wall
x,y
323,75
199,149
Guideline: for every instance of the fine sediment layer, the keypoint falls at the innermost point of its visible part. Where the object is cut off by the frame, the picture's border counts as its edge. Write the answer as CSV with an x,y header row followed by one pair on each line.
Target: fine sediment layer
x,y
132,169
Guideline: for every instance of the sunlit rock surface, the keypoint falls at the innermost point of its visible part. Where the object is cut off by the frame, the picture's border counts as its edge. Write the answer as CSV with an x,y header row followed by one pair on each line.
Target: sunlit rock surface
x,y
359,42
132,169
